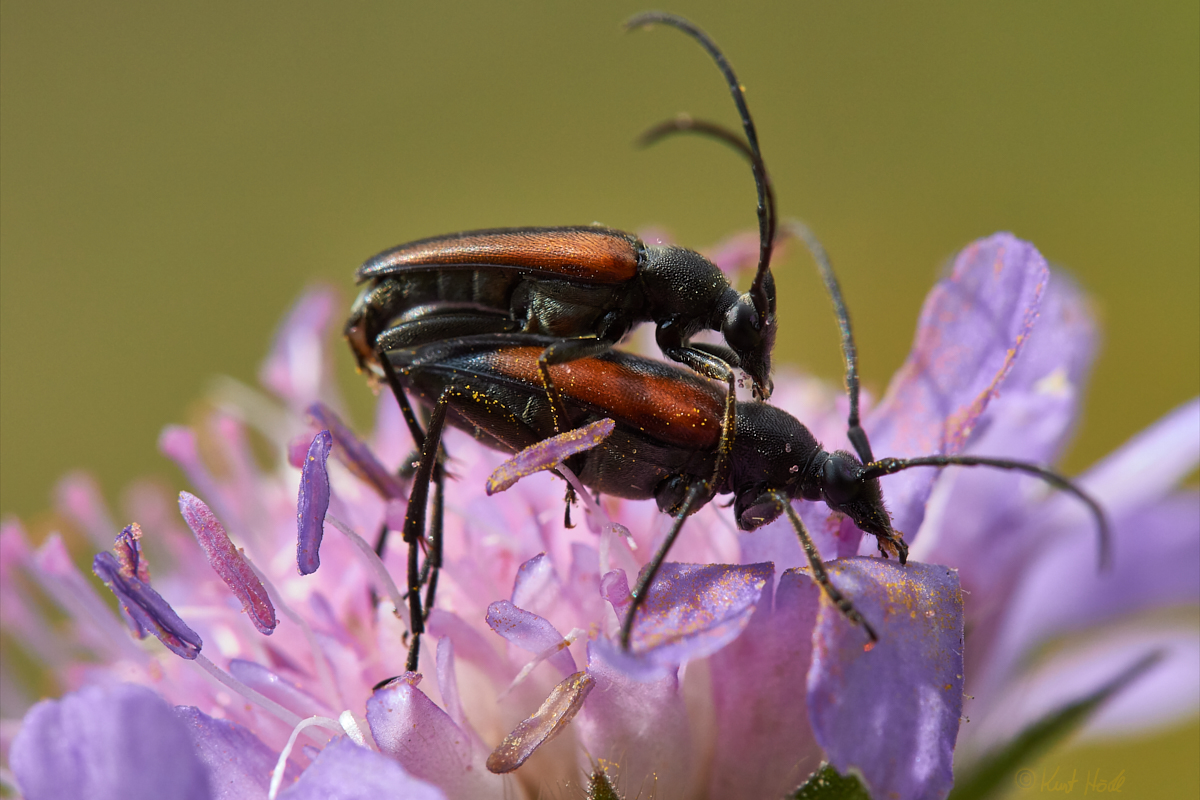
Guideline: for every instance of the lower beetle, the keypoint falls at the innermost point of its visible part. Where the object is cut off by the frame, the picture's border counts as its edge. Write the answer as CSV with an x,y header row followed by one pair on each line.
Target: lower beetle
x,y
664,445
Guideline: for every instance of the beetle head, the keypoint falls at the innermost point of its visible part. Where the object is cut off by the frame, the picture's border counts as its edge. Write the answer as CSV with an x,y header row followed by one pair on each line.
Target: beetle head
x,y
845,487
750,332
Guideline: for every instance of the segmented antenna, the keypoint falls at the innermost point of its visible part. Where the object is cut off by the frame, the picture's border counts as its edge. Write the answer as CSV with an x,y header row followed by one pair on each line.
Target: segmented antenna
x,y
855,432
685,123
766,226
889,466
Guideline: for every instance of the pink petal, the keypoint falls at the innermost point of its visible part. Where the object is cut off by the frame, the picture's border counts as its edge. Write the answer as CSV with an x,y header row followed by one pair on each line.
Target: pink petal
x,y
1150,464
296,367
643,727
1168,693
536,587
235,759
469,644
78,496
448,681
94,622
345,771
410,728
277,688
1061,592
529,632
107,742
755,679
693,610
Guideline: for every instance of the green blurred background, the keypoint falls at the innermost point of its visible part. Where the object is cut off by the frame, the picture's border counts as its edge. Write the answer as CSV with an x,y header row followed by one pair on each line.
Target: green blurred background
x,y
173,177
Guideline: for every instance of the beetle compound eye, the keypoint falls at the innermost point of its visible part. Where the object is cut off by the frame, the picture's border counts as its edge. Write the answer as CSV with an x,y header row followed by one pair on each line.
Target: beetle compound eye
x,y
742,329
842,479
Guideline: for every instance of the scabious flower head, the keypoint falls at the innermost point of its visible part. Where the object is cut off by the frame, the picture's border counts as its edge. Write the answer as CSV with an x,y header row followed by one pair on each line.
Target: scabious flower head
x,y
283,671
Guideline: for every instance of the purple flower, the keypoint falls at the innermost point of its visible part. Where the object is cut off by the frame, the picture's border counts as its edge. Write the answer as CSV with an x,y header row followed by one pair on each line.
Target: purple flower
x,y
742,677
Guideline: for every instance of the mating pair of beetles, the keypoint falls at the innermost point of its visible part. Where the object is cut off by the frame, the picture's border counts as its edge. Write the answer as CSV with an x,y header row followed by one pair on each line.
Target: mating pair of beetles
x,y
509,334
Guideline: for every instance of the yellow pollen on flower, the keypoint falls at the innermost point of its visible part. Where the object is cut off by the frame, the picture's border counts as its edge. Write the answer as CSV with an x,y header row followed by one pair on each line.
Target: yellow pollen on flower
x,y
1056,384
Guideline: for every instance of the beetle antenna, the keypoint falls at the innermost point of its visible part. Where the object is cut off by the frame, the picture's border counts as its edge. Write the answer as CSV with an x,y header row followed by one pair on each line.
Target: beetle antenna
x,y
858,436
685,123
766,225
888,466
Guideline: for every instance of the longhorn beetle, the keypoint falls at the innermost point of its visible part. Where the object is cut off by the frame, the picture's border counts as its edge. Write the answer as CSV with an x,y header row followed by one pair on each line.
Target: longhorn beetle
x,y
665,444
668,442
446,352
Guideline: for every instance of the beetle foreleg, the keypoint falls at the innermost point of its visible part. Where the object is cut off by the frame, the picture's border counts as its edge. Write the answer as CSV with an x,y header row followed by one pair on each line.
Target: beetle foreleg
x,y
818,569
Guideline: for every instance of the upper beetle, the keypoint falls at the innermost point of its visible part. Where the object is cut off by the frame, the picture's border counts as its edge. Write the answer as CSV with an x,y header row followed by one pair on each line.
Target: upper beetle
x,y
585,286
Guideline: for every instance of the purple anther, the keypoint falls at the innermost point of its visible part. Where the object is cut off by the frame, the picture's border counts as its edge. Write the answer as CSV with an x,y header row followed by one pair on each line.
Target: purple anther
x,y
128,550
147,607
548,454
228,562
354,453
312,503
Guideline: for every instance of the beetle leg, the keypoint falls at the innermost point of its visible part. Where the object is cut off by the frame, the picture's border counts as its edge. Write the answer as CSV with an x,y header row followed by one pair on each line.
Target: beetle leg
x,y
439,471
433,558
410,418
818,569
414,525
562,352
719,351
430,469
713,367
697,494
436,326
418,435
893,544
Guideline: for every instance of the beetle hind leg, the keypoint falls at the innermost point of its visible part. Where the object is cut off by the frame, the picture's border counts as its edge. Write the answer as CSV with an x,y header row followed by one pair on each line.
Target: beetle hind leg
x,y
414,528
696,496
